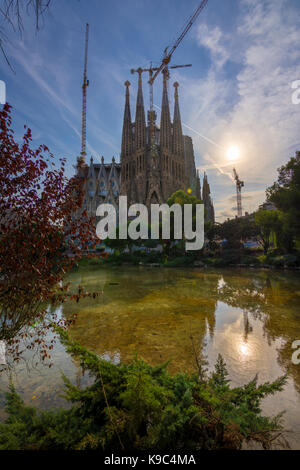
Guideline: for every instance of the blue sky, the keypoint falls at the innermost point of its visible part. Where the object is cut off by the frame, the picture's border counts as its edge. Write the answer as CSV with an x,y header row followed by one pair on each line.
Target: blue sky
x,y
245,55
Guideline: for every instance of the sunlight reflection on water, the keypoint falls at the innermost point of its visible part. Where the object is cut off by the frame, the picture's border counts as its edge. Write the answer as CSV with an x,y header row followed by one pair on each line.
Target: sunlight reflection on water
x,y
160,314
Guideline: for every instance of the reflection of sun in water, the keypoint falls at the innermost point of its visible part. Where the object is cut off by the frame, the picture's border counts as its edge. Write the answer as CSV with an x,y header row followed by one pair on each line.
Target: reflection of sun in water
x,y
233,153
244,349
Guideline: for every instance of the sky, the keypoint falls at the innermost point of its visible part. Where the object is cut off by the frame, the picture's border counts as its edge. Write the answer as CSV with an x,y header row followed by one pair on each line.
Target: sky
x,y
245,55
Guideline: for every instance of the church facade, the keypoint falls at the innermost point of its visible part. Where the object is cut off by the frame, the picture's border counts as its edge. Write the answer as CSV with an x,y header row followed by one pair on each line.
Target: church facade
x,y
155,161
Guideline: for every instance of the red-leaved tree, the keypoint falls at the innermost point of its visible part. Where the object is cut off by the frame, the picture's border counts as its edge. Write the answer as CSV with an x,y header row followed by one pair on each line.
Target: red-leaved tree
x,y
41,237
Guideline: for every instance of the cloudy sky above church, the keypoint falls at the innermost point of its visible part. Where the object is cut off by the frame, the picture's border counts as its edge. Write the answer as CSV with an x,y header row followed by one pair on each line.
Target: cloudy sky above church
x,y
245,56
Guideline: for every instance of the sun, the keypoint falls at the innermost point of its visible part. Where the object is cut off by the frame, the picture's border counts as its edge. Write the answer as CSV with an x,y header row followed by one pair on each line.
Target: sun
x,y
233,153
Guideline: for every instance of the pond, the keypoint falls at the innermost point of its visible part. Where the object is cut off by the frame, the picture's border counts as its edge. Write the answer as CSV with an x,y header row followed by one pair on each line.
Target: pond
x,y
251,317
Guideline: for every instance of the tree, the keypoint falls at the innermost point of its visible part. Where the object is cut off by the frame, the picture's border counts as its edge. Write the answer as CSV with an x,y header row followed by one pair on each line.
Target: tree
x,y
12,12
285,194
237,230
179,197
284,235
267,221
40,237
116,243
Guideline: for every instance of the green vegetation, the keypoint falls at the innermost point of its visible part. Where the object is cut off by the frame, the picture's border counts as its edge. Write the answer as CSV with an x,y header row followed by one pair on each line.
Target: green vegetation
x,y
141,407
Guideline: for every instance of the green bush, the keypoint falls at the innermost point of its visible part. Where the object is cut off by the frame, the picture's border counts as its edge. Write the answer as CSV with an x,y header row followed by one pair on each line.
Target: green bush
x,y
215,262
263,259
284,260
178,262
250,260
141,407
231,256
153,257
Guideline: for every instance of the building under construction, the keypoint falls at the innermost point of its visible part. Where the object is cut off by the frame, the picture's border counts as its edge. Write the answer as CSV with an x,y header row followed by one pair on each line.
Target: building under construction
x,y
150,170
155,161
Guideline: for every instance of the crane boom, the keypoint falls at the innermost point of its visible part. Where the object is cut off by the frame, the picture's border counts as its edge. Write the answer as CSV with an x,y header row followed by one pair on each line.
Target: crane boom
x,y
187,27
84,87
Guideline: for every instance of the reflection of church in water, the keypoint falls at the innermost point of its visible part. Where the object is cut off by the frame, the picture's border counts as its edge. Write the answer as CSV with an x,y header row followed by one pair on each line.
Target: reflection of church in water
x,y
155,161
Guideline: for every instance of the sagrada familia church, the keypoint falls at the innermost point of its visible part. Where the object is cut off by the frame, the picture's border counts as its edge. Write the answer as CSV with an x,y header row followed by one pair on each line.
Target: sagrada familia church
x,y
155,161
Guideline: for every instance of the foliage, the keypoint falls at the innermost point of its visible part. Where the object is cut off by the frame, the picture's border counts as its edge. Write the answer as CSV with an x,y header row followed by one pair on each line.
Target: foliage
x,y
116,243
141,407
40,237
136,257
179,197
285,194
268,223
180,261
236,230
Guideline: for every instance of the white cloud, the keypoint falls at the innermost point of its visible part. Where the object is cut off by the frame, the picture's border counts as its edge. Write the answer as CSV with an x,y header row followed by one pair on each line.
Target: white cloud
x,y
213,40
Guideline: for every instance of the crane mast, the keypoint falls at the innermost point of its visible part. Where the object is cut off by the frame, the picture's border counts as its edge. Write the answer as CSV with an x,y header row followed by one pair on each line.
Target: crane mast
x,y
239,186
84,87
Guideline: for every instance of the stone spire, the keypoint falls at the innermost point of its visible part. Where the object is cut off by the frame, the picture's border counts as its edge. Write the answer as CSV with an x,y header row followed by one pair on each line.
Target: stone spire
x,y
165,120
198,186
177,140
207,201
127,137
205,189
140,123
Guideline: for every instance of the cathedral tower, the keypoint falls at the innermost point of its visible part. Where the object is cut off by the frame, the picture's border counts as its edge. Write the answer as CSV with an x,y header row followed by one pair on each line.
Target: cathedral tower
x,y
152,171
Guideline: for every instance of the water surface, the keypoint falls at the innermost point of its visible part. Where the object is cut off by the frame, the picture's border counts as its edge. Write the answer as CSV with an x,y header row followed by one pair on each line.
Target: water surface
x,y
250,317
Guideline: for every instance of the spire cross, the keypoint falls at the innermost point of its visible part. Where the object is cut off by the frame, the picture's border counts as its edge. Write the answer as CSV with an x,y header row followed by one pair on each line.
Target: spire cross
x,y
140,71
176,85
166,75
127,84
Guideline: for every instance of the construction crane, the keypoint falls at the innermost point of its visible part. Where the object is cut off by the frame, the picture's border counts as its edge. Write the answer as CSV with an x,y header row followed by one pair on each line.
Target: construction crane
x,y
150,70
84,87
164,66
168,55
239,186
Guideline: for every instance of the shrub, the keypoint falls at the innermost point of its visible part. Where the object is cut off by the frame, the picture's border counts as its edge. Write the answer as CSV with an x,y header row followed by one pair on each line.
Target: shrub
x,y
178,262
141,407
250,260
232,256
284,260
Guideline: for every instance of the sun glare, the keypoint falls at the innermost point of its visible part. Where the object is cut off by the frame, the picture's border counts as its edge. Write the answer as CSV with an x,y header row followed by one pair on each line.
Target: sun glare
x,y
233,153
